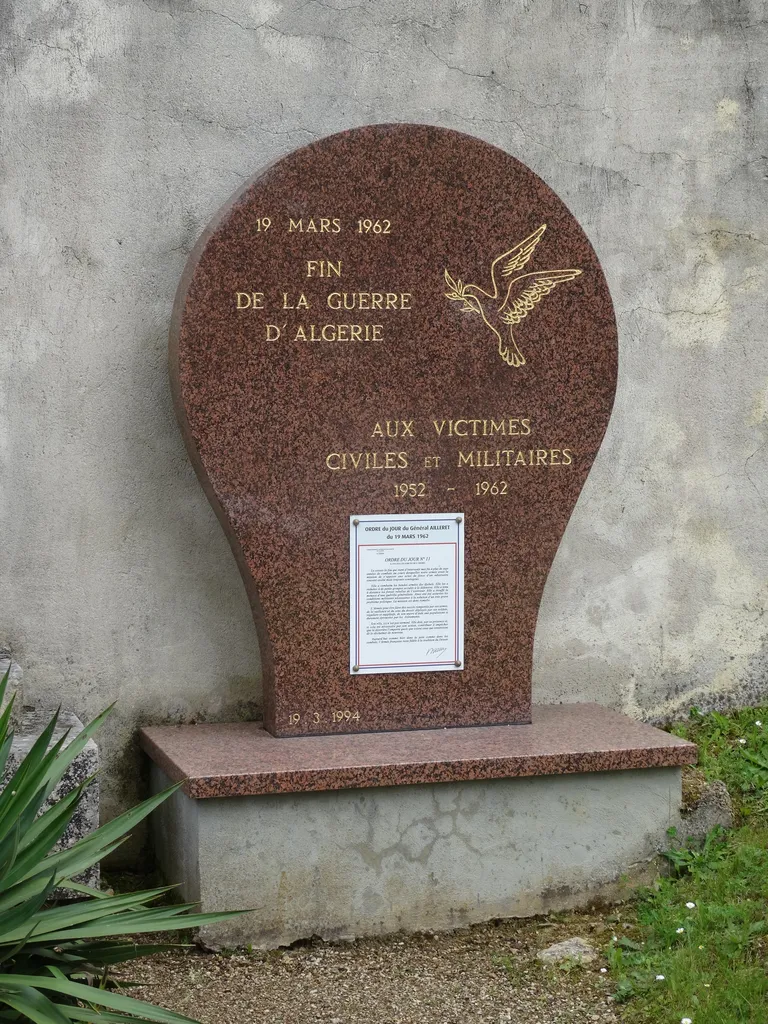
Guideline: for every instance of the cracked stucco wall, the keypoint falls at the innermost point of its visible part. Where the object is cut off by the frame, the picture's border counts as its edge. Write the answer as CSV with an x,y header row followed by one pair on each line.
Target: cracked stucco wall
x,y
127,124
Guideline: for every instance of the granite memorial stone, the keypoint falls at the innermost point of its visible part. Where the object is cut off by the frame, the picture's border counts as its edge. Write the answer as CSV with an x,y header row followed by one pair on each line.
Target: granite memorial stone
x,y
403,321
394,358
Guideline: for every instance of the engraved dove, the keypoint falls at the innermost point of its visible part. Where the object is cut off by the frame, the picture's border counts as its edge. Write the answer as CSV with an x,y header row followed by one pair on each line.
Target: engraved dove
x,y
520,295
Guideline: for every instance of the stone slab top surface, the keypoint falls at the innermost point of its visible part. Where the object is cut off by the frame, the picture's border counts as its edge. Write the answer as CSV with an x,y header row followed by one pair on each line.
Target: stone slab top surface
x,y
243,759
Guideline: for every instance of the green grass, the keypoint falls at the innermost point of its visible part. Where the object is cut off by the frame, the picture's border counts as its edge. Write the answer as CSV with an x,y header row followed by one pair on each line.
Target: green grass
x,y
715,970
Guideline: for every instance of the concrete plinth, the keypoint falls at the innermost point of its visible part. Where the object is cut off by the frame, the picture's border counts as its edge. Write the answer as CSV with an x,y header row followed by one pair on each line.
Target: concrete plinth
x,y
370,861
343,836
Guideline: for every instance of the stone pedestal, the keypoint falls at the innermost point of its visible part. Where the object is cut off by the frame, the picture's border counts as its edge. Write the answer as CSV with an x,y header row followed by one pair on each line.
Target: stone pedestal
x,y
359,835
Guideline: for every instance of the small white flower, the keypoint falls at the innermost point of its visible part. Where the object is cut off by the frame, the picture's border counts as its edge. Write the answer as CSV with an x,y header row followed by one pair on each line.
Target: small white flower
x,y
659,977
758,722
706,984
686,1020
742,741
603,970
690,905
680,931
614,938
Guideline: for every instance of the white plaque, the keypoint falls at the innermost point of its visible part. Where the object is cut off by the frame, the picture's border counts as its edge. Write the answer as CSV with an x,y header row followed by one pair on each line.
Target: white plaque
x,y
406,593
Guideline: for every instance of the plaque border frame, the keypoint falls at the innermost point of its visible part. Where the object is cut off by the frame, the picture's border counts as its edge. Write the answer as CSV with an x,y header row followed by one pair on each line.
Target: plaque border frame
x,y
456,664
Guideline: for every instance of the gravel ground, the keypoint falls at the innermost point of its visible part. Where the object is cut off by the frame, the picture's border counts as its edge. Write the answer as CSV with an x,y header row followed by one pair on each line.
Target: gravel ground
x,y
486,974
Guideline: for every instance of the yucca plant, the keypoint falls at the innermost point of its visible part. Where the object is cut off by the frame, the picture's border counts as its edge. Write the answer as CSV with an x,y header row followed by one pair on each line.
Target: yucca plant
x,y
55,957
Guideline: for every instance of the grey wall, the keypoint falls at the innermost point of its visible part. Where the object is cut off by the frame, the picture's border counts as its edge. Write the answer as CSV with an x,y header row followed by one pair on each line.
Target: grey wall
x,y
126,125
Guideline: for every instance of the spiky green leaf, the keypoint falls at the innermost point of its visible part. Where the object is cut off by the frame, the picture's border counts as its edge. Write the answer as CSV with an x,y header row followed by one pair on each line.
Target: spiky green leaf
x,y
105,954
19,922
34,1006
64,805
12,983
8,849
45,922
30,858
64,863
75,747
104,1016
27,782
155,919
6,736
113,830
87,890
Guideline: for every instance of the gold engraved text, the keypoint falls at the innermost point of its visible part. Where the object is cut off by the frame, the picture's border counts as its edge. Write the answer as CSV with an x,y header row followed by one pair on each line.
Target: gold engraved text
x,y
369,300
507,427
491,488
338,332
509,457
249,300
323,268
316,225
393,428
347,715
418,490
366,460
373,227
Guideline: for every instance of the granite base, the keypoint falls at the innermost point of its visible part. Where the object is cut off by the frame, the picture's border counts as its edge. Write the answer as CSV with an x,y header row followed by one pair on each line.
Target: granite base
x,y
312,835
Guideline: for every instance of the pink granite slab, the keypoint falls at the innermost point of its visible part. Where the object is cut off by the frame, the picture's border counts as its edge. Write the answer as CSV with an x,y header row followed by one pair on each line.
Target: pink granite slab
x,y
268,421
242,759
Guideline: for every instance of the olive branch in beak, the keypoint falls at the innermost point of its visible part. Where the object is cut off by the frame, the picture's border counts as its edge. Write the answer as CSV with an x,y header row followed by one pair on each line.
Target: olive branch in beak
x,y
458,293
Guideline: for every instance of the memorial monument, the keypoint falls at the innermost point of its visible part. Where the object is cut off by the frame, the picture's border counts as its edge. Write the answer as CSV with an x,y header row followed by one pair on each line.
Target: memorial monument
x,y
393,359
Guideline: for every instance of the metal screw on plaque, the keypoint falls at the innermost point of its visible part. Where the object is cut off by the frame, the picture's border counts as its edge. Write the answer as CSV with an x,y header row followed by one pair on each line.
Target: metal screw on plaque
x,y
355,522
457,664
355,668
458,519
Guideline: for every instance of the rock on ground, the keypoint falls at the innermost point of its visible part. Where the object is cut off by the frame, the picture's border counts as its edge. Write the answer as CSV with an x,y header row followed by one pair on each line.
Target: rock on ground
x,y
570,949
714,808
